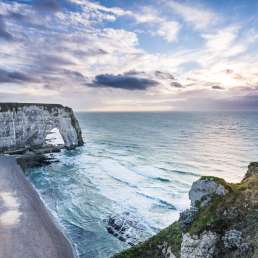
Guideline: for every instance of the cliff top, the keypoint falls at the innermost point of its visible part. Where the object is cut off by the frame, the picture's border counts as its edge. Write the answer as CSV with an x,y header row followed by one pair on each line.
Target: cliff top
x,y
27,228
5,106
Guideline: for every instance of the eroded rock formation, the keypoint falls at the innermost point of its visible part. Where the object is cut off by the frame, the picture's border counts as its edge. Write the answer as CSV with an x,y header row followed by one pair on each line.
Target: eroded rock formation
x,y
28,125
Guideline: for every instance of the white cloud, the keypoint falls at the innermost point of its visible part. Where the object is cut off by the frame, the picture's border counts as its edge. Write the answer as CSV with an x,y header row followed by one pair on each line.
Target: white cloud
x,y
67,49
94,6
159,26
199,17
169,30
222,39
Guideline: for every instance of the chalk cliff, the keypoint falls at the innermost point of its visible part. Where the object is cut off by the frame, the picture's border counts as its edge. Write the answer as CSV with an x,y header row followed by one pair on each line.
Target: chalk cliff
x,y
28,125
222,222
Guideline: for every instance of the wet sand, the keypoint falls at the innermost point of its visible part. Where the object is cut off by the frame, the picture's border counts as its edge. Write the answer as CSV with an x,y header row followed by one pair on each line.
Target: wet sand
x,y
27,229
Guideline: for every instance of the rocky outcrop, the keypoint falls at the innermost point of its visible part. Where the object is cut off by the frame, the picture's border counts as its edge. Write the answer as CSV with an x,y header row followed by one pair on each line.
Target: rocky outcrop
x,y
222,222
25,125
125,227
252,169
199,246
204,189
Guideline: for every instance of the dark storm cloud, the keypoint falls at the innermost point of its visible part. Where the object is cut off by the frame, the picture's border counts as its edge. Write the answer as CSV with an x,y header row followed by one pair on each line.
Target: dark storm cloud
x,y
216,87
176,85
122,81
4,34
135,73
164,75
75,74
15,77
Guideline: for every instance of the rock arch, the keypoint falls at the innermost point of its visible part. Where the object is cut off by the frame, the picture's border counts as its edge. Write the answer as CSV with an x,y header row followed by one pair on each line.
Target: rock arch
x,y
27,125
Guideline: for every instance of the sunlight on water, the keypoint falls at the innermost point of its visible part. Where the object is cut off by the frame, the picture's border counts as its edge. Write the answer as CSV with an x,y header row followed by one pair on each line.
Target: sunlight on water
x,y
141,164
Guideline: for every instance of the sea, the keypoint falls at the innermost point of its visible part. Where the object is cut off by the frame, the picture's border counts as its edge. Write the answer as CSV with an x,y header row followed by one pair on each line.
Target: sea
x,y
140,167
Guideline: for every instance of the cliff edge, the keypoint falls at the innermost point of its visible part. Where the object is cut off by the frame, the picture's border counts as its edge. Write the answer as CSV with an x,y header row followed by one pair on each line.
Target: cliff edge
x,y
222,222
27,229
26,125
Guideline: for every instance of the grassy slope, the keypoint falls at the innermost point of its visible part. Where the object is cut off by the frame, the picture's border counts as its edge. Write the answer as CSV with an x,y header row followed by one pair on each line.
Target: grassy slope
x,y
237,210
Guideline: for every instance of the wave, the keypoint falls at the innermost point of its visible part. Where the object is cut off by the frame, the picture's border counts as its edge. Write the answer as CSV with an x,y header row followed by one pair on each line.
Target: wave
x,y
162,179
160,201
180,172
124,182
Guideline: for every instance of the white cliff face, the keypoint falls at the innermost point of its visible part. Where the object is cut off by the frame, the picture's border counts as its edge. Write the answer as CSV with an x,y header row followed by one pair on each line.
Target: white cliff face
x,y
199,247
25,125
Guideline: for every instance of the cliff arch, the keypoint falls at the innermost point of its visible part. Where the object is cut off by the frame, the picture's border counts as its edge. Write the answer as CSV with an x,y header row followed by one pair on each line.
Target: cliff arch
x,y
28,124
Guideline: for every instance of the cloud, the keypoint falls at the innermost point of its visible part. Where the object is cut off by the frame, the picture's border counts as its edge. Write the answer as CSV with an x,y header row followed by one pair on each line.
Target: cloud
x,y
216,87
4,34
159,25
15,77
169,30
176,85
222,39
164,75
122,81
61,47
199,17
48,5
98,7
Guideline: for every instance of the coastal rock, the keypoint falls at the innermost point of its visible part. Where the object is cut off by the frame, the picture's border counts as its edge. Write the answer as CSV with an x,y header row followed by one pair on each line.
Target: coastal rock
x,y
166,250
232,239
28,125
199,247
126,228
204,189
187,217
252,169
31,159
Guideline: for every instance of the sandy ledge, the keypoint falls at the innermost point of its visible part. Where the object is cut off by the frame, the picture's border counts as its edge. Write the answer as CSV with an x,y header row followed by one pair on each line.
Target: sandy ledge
x,y
27,229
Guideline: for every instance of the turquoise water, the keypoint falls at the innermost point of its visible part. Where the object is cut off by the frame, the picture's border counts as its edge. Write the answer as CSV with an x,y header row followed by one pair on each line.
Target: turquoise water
x,y
144,164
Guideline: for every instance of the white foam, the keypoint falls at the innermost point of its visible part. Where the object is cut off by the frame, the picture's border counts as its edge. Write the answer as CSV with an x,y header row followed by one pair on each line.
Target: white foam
x,y
116,170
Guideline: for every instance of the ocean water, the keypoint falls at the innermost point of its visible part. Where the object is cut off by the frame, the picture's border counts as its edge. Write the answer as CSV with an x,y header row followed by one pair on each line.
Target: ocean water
x,y
140,165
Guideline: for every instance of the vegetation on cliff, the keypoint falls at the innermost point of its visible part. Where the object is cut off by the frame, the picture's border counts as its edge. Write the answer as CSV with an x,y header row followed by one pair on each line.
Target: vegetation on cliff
x,y
225,224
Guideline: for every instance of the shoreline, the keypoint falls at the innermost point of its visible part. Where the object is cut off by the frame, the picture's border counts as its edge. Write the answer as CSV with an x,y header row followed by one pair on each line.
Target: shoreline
x,y
27,228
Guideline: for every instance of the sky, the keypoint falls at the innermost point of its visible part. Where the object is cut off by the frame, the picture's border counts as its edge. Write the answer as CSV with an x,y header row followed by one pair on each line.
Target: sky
x,y
130,55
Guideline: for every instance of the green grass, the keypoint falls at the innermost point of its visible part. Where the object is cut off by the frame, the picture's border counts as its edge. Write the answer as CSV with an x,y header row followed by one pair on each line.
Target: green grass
x,y
172,235
238,209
